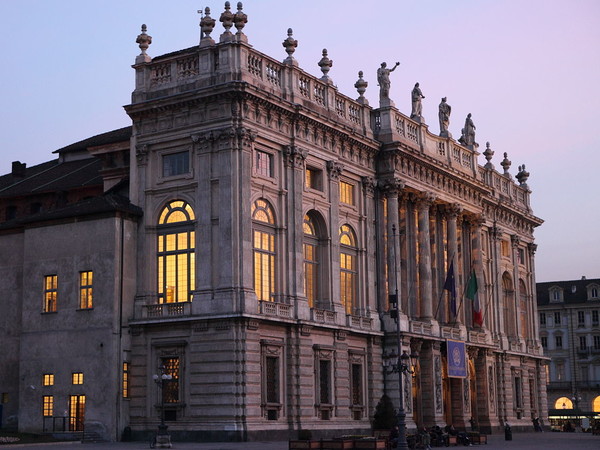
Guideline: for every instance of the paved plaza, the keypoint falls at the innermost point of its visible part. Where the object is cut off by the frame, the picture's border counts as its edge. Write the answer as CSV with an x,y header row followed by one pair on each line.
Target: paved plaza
x,y
521,441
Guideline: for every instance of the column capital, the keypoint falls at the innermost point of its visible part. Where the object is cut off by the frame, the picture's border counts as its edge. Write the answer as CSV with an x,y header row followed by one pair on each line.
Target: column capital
x,y
369,184
335,169
425,200
532,248
294,156
391,187
516,240
453,210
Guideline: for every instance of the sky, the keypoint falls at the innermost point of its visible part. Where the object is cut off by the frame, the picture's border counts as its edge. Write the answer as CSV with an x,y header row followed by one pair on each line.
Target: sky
x,y
528,71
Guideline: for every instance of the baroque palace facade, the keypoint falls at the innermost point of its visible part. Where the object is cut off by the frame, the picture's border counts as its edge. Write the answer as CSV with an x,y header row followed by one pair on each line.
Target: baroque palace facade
x,y
243,237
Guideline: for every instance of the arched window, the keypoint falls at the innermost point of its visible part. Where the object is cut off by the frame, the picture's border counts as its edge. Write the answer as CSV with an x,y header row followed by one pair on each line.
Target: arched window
x,y
348,268
596,405
508,294
523,310
311,260
263,242
176,256
563,403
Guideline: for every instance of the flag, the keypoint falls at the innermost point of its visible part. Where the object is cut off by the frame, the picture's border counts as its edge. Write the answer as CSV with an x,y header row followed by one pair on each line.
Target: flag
x,y
450,286
471,293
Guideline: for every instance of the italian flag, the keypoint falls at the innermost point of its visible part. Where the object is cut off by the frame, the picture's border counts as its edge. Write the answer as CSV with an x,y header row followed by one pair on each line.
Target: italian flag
x,y
471,293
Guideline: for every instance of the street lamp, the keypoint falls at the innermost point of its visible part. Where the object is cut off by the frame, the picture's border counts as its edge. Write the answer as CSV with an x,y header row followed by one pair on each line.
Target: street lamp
x,y
163,439
401,363
576,399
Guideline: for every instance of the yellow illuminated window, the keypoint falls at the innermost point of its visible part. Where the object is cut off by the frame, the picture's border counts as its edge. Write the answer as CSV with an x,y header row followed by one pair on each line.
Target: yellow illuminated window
x,y
77,378
347,193
48,379
348,269
176,253
76,412
50,293
311,261
264,250
85,289
48,406
171,387
125,379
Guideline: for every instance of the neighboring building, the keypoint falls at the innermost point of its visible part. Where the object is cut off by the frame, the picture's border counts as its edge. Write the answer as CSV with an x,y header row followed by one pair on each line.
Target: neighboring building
x,y
243,237
569,317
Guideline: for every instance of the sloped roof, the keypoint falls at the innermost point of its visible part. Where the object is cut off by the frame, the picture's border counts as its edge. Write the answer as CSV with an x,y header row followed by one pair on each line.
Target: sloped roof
x,y
110,137
574,291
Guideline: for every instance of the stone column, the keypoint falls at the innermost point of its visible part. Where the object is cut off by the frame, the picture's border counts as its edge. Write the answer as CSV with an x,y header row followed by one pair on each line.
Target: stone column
x,y
294,159
432,398
452,213
368,184
391,188
520,332
535,332
498,304
334,169
425,290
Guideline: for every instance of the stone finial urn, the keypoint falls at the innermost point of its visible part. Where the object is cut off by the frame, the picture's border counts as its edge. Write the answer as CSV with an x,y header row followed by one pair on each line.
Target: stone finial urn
x,y
325,64
227,20
361,87
290,45
144,40
207,24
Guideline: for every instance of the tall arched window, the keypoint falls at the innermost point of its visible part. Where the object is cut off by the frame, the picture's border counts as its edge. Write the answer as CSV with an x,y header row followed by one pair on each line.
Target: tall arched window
x,y
508,292
596,405
311,260
563,403
263,242
348,268
523,310
176,256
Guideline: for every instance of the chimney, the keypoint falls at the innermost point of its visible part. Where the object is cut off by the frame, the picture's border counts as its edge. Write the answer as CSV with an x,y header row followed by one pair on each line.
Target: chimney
x,y
583,278
18,169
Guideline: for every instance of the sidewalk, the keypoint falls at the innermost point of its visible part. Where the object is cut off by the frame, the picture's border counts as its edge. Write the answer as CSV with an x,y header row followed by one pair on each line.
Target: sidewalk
x,y
521,441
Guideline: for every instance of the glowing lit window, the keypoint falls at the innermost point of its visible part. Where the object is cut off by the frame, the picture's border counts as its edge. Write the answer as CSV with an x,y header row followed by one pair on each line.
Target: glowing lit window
x,y
563,403
85,289
125,386
50,293
314,178
77,378
48,379
348,268
176,255
346,193
171,386
504,247
263,243
311,261
48,405
76,412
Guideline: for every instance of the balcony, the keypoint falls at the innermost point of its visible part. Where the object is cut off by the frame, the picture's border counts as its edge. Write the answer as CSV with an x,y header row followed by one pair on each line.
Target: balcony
x,y
166,310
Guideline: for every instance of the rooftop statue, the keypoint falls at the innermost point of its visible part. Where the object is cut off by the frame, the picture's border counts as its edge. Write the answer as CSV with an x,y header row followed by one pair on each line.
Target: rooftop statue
x,y
468,133
444,116
417,107
383,78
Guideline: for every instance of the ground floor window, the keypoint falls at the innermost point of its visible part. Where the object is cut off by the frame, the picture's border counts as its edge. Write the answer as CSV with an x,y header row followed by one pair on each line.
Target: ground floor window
x,y
76,412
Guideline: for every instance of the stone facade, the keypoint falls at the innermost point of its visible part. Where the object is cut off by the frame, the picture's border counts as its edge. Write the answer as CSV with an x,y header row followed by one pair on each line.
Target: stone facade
x,y
278,217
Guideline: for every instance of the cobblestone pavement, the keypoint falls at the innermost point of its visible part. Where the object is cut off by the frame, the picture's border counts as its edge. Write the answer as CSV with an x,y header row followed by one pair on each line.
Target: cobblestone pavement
x,y
521,441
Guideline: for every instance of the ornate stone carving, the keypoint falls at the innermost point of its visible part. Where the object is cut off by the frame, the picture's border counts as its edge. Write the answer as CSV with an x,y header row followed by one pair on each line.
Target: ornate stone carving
x,y
141,152
335,169
391,187
453,210
369,184
437,365
515,240
407,385
207,24
383,78
488,153
444,111
523,176
361,87
290,45
468,133
294,156
227,20
240,20
506,165
467,395
417,107
144,40
425,200
325,64
532,248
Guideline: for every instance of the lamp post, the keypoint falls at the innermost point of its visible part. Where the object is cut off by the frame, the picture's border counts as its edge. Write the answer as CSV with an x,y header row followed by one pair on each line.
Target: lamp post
x,y
401,363
163,439
576,399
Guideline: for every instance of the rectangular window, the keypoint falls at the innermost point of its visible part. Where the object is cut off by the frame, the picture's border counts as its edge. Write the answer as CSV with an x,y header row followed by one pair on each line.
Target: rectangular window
x,y
324,381
125,386
580,318
582,342
357,396
48,406
48,379
50,293
85,289
264,265
560,371
544,340
171,387
346,193
77,378
595,317
76,412
4,398
518,393
521,254
543,319
596,342
557,318
558,341
263,164
314,179
505,248
176,164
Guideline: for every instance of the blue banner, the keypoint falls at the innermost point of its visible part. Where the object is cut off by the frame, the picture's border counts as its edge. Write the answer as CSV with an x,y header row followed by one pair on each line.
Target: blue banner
x,y
457,361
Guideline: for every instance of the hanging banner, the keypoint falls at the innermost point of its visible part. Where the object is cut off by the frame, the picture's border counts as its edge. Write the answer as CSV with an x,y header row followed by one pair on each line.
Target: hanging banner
x,y
457,361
